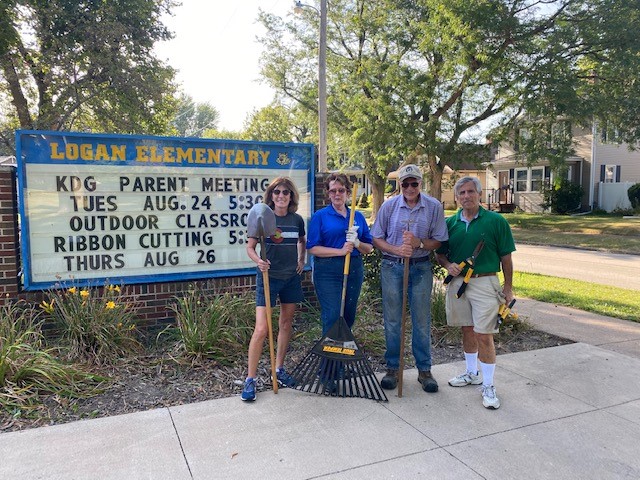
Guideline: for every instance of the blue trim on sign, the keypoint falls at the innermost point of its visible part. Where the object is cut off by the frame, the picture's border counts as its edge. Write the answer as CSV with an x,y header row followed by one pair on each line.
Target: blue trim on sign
x,y
35,147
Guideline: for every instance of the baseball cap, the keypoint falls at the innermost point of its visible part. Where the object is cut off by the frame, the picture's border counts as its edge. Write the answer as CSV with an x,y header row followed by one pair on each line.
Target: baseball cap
x,y
409,171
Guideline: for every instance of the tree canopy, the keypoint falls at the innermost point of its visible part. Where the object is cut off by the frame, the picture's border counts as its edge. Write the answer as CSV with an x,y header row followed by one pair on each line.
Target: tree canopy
x,y
422,79
193,118
84,65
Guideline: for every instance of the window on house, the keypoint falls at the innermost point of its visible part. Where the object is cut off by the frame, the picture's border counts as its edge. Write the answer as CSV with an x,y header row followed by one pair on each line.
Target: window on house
x,y
537,176
609,174
521,180
529,179
610,134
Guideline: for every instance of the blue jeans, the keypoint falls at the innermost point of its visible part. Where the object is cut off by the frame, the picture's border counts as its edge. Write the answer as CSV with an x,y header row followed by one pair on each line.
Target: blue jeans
x,y
419,299
328,276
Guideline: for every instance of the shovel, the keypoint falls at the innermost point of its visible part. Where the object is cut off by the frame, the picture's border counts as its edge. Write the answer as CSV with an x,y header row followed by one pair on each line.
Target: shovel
x,y
261,223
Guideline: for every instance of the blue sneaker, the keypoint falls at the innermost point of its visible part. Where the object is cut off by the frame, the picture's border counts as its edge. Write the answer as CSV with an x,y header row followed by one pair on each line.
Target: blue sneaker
x,y
284,379
249,390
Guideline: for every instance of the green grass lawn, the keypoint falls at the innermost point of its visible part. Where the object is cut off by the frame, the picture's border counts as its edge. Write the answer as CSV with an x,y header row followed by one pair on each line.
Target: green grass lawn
x,y
601,299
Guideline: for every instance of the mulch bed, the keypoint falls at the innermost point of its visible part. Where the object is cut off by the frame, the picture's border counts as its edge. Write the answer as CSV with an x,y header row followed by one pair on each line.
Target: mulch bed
x,y
157,380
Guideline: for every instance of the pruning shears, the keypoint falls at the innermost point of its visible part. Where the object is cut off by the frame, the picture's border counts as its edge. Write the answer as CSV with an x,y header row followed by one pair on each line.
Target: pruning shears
x,y
471,262
504,311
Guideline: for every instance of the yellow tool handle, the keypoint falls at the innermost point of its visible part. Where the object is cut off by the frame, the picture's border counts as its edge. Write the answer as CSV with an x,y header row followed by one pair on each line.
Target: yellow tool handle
x,y
354,195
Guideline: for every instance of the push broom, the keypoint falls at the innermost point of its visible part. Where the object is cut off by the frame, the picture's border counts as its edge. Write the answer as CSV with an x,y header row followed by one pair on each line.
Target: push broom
x,y
337,365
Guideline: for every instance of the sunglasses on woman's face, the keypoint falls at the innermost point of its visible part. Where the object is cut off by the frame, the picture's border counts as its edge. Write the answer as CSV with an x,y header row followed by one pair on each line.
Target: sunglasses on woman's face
x,y
410,184
277,191
333,191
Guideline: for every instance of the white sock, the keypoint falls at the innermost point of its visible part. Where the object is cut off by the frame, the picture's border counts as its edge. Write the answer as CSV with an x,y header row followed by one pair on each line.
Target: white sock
x,y
472,362
487,373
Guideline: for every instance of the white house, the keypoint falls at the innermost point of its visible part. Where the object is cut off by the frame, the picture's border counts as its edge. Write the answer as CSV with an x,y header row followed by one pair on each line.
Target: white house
x,y
602,166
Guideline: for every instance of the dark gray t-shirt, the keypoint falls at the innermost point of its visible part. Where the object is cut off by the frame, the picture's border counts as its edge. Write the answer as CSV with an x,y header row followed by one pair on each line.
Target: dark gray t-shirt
x,y
282,247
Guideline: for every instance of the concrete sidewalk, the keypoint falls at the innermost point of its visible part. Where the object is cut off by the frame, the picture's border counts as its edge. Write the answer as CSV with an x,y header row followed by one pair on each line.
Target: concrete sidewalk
x,y
567,412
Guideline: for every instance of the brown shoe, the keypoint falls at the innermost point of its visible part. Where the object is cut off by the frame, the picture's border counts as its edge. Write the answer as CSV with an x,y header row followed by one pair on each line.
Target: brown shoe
x,y
390,380
427,381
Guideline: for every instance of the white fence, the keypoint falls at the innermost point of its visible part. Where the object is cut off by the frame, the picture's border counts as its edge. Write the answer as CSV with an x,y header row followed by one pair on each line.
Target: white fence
x,y
612,196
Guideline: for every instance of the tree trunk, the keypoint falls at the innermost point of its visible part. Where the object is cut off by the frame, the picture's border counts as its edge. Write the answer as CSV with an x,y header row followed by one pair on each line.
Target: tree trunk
x,y
17,97
377,187
435,177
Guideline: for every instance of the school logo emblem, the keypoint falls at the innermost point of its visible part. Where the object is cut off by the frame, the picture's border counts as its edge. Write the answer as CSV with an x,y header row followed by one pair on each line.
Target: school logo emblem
x,y
283,159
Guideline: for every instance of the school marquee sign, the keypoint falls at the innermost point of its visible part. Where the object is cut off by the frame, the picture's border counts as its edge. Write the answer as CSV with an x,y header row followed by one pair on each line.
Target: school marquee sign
x,y
138,209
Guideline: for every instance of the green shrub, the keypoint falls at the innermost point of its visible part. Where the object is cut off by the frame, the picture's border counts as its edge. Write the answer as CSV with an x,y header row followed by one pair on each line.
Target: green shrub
x,y
372,287
215,326
28,369
634,195
96,325
364,201
562,197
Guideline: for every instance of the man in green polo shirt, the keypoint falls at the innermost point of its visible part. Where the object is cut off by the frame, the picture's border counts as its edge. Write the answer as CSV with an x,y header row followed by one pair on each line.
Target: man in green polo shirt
x,y
476,311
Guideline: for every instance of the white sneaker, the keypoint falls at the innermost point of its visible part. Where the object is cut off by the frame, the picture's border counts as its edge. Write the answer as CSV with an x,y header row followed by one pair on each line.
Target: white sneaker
x,y
489,397
465,379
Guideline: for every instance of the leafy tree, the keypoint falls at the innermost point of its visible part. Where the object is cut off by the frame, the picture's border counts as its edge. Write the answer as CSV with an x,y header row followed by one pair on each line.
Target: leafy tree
x,y
278,123
193,118
90,65
423,78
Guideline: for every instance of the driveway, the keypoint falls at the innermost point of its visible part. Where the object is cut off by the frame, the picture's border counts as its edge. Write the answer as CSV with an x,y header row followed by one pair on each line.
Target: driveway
x,y
594,267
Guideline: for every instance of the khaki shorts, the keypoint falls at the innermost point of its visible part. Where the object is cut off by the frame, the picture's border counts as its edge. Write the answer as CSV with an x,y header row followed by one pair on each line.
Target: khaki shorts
x,y
478,306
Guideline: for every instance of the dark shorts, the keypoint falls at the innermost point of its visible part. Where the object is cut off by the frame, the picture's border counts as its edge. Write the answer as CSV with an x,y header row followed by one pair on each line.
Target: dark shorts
x,y
289,290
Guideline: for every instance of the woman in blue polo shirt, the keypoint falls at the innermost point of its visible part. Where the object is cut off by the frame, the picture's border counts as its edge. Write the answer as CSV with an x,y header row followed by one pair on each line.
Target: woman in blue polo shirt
x,y
329,240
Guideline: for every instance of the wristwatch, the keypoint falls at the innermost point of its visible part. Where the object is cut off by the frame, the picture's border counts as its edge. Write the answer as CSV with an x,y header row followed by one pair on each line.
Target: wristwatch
x,y
421,244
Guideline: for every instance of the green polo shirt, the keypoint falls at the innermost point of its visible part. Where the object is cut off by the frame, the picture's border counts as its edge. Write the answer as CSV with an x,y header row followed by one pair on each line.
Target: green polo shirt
x,y
488,226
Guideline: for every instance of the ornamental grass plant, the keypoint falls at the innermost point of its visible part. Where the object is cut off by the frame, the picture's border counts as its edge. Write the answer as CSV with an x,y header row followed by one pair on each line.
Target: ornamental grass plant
x,y
96,325
29,370
213,326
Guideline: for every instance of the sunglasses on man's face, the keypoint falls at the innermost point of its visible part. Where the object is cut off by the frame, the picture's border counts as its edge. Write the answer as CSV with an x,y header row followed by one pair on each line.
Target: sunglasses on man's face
x,y
277,191
410,184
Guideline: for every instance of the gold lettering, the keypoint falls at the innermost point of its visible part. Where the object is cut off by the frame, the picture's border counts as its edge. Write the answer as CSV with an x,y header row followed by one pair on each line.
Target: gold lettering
x,y
200,158
228,154
141,153
101,152
119,152
169,155
55,154
240,160
214,156
155,158
184,155
86,152
73,151
265,158
253,157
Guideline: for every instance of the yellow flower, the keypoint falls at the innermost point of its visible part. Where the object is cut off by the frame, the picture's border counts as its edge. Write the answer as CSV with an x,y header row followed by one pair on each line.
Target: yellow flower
x,y
72,290
111,305
84,293
47,307
119,325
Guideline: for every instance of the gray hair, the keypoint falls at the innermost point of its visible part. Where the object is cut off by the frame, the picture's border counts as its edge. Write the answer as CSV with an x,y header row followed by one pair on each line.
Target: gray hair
x,y
467,179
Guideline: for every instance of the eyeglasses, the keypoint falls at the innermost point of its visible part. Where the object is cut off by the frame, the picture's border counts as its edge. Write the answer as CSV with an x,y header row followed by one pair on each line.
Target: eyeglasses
x,y
333,191
277,191
410,184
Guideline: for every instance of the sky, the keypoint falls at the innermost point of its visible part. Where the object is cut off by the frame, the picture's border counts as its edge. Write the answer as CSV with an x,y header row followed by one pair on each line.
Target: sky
x,y
217,55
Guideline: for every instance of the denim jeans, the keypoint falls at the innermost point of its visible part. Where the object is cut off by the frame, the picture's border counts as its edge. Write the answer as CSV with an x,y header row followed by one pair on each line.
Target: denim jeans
x,y
419,299
328,276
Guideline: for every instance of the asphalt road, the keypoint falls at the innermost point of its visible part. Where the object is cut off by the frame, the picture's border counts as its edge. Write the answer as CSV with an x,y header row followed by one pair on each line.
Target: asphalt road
x,y
595,267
